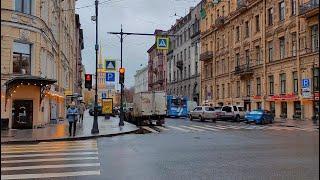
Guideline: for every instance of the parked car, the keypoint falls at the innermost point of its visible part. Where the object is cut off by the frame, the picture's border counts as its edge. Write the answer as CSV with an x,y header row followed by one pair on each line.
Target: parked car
x,y
259,117
235,113
91,111
203,113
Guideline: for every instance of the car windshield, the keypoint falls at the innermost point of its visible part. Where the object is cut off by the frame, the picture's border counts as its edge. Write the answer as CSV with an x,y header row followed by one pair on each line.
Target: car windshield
x,y
256,112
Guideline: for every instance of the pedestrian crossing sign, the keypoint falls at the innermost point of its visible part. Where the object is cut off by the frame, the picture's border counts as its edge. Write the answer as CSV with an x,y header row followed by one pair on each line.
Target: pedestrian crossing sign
x,y
162,43
110,65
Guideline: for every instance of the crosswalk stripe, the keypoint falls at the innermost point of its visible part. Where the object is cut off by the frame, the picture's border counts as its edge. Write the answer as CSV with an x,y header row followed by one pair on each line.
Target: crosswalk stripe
x,y
49,166
50,175
162,128
149,129
64,143
184,130
229,127
52,150
47,160
216,127
207,128
49,154
47,148
196,129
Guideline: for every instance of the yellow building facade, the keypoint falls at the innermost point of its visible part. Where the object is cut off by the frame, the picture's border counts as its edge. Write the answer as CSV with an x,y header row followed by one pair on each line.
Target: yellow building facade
x,y
261,54
37,60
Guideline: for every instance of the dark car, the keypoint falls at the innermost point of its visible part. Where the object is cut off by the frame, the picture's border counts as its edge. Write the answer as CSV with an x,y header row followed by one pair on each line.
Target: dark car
x,y
91,111
259,116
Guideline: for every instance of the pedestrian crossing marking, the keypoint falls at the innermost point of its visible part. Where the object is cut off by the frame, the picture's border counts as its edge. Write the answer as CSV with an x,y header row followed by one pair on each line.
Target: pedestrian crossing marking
x,y
162,128
196,129
149,129
51,175
173,127
17,161
207,128
222,128
47,160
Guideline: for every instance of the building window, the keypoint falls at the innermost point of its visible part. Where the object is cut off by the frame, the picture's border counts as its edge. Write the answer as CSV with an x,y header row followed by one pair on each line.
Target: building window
x,y
237,59
246,26
223,91
237,34
283,83
217,95
282,47
222,11
228,90
293,7
248,87
259,105
258,86
196,67
315,38
247,57
270,51
189,70
281,11
271,85
238,88
294,44
297,108
273,107
316,79
270,16
295,82
283,109
23,6
189,53
257,23
21,58
258,55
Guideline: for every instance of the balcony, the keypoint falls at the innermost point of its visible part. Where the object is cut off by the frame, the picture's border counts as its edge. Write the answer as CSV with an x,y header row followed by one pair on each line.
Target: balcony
x,y
309,9
244,70
220,21
179,64
208,55
241,5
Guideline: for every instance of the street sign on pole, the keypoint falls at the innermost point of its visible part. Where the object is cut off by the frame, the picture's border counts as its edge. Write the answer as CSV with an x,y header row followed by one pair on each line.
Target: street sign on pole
x,y
305,83
110,65
103,95
110,76
162,43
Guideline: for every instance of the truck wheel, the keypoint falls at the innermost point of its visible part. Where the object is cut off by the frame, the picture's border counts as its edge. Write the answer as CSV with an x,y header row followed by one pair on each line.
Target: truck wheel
x,y
201,118
190,117
214,120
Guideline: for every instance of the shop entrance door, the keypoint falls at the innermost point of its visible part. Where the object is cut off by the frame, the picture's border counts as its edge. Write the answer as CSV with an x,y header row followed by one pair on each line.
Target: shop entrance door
x,y
22,114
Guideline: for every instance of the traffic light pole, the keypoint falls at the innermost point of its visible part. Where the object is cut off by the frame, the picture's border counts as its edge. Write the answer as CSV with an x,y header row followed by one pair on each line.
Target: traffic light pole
x,y
95,128
121,33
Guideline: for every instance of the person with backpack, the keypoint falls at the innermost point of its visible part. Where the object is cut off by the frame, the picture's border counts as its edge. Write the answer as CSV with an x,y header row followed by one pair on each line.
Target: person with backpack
x,y
72,116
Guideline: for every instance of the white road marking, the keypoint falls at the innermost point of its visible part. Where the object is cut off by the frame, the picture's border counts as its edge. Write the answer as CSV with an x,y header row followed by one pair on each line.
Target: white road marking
x,y
162,128
196,129
50,175
49,166
48,148
50,154
215,127
50,159
52,144
149,129
184,130
207,128
52,150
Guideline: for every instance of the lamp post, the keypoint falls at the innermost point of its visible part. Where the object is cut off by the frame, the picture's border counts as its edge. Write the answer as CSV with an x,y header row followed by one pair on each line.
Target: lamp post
x,y
95,128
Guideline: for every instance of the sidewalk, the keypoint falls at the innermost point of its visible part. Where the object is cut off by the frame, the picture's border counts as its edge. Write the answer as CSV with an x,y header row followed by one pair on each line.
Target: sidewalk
x,y
60,131
296,123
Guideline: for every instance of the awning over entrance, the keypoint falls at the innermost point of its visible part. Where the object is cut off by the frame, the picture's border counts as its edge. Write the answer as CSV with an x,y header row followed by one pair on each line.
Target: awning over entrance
x,y
17,81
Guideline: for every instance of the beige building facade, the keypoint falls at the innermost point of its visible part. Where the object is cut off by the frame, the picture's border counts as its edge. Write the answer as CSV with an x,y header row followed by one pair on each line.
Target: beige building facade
x,y
261,54
38,53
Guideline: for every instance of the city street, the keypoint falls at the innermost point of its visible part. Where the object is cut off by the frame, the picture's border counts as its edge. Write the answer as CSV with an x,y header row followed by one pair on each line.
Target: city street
x,y
182,149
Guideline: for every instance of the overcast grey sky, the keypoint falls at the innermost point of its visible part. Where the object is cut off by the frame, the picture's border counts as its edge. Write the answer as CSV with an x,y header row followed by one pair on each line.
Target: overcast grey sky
x,y
143,16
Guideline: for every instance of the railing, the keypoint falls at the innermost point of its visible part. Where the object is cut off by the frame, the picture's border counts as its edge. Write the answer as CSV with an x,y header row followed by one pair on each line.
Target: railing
x,y
308,6
206,55
179,64
244,69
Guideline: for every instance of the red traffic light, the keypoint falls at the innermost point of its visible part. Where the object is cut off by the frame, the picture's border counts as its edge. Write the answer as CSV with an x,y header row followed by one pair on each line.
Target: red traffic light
x,y
88,77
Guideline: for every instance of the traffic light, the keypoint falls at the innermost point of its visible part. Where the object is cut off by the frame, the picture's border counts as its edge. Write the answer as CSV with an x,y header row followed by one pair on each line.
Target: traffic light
x,y
121,75
88,81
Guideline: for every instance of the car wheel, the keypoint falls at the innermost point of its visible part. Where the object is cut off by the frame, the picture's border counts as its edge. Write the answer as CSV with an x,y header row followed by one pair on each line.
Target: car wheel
x,y
190,117
214,120
201,118
237,119
263,121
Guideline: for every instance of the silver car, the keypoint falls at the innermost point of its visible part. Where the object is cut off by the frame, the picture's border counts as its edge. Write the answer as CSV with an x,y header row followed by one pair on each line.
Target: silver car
x,y
203,113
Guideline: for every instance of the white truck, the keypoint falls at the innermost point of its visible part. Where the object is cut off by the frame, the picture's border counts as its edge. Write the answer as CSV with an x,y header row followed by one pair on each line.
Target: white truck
x,y
235,113
148,107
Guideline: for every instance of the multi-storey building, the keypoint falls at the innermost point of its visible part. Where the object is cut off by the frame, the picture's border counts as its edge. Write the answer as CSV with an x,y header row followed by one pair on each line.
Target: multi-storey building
x,y
141,80
183,56
38,49
157,67
79,68
257,53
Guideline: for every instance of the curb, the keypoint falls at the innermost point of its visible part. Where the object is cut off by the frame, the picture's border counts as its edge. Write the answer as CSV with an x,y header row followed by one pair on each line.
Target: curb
x,y
68,138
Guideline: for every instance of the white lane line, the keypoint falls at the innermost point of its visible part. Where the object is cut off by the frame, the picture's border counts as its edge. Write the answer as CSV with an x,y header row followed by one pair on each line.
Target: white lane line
x,y
162,128
49,154
48,148
49,166
50,175
51,159
196,129
207,128
217,127
229,126
184,130
51,144
53,150
149,129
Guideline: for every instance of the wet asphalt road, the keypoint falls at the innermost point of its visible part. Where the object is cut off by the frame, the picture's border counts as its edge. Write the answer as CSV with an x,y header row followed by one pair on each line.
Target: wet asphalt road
x,y
197,150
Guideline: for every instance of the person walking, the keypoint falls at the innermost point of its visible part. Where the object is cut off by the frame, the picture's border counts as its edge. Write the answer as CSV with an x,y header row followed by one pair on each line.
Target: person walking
x,y
82,108
72,116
